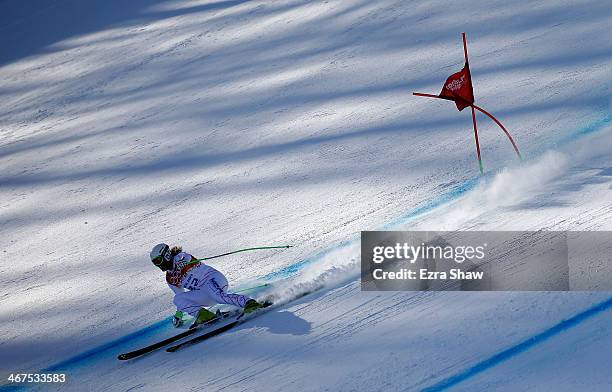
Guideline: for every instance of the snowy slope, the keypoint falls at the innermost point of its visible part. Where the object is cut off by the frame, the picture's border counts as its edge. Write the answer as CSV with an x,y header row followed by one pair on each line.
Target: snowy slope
x,y
221,125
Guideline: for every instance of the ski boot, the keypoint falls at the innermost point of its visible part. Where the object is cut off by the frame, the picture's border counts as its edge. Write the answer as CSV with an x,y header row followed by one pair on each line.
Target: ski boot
x,y
251,305
203,316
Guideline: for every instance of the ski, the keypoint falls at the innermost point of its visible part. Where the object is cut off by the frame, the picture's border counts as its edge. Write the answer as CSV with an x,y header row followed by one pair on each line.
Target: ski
x,y
239,320
172,339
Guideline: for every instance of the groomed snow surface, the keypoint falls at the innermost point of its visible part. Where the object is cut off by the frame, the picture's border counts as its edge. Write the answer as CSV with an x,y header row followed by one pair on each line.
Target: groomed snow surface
x,y
221,125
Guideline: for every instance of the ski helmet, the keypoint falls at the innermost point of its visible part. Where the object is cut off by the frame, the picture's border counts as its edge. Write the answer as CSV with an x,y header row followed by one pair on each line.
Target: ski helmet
x,y
161,256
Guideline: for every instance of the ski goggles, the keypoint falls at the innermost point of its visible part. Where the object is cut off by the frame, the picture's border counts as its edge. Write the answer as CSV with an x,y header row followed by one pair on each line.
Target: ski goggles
x,y
164,256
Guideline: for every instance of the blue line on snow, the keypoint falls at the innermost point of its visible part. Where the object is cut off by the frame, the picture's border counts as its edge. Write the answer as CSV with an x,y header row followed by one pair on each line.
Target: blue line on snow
x,y
520,347
151,329
453,194
589,129
93,353
294,268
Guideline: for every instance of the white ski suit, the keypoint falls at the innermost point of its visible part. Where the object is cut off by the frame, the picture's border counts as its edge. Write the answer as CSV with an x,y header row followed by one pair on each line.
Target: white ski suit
x,y
198,285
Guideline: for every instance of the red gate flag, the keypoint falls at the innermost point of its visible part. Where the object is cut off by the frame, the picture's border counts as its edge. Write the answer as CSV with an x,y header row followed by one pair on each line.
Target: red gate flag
x,y
458,88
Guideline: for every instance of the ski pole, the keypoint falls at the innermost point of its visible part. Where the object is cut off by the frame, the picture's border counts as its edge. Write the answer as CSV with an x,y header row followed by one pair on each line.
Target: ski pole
x,y
241,250
253,288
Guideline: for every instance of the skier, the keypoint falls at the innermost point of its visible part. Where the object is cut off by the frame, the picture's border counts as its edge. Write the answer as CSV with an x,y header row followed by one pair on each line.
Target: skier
x,y
195,285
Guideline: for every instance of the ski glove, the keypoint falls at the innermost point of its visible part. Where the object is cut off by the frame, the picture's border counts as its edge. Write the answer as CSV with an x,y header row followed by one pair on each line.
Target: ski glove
x,y
177,319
